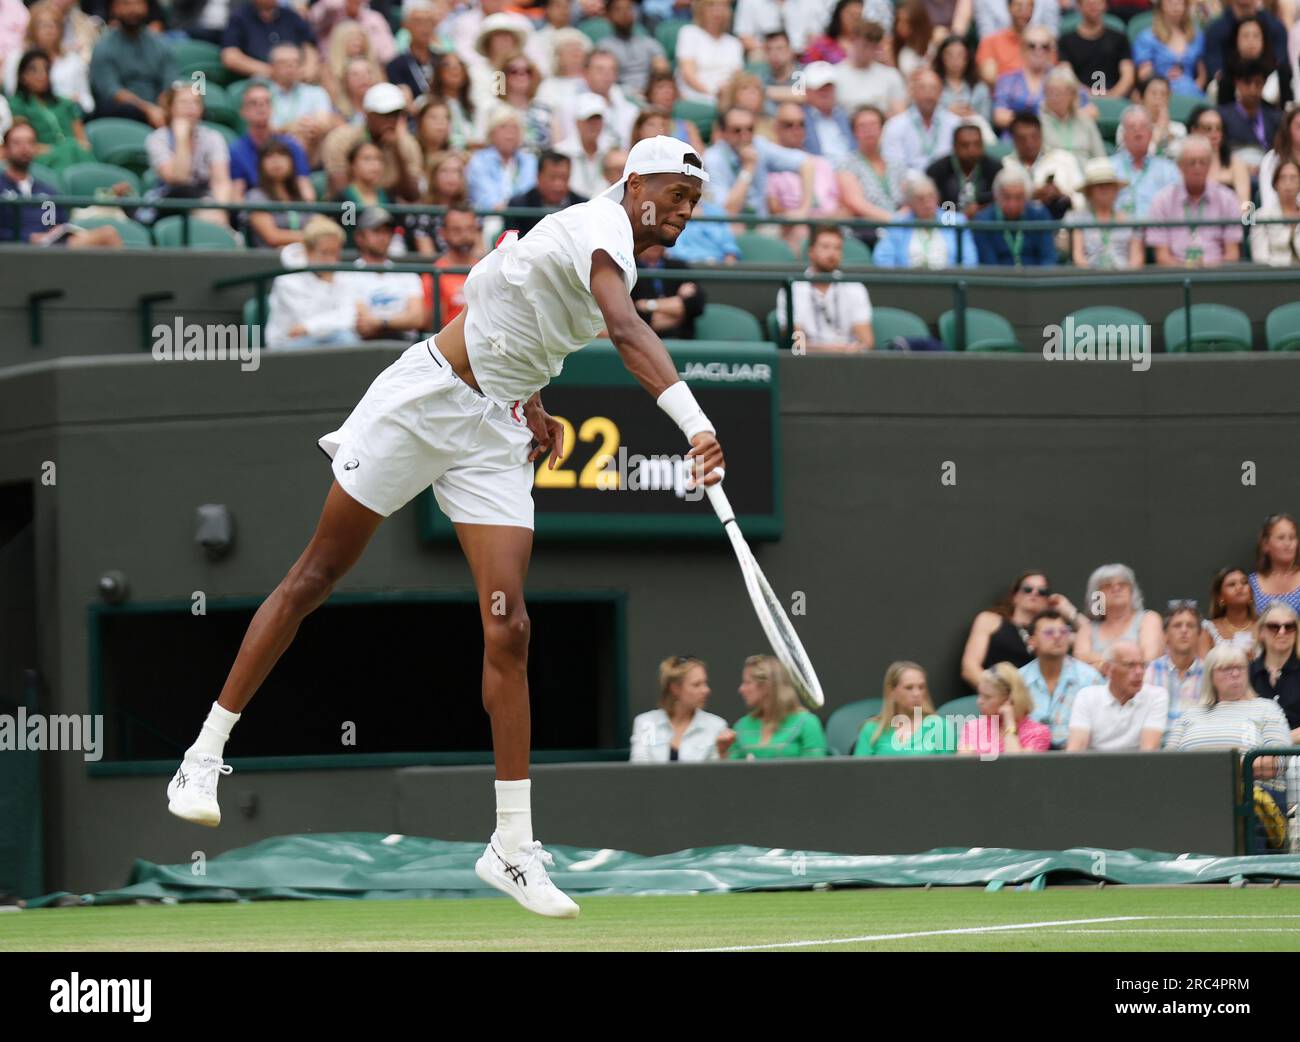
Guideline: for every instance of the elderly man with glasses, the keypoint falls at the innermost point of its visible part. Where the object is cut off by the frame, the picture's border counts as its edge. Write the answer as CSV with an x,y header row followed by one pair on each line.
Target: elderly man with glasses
x,y
1124,714
739,164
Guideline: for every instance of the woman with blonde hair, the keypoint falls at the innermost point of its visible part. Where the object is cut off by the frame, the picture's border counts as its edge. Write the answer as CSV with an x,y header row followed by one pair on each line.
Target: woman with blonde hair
x,y
707,54
679,730
776,726
1113,608
349,42
69,69
1063,125
745,90
1172,47
1004,724
306,308
516,82
907,724
1275,674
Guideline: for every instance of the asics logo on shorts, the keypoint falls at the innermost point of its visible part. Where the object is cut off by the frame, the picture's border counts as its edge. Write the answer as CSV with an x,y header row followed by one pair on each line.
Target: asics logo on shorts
x,y
352,464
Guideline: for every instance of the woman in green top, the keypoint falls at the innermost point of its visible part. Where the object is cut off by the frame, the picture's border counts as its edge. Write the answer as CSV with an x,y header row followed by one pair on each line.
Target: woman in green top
x,y
60,138
775,725
907,724
365,172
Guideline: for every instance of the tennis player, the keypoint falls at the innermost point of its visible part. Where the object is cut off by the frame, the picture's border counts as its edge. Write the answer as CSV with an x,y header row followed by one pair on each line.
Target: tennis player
x,y
463,411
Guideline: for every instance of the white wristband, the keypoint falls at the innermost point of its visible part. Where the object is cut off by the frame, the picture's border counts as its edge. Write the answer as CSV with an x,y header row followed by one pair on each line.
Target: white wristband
x,y
679,403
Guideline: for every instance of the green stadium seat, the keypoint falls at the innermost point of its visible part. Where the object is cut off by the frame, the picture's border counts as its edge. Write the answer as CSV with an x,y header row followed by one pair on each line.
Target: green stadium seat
x,y
703,115
666,34
773,324
320,180
168,232
235,92
967,705
890,323
110,136
250,313
135,236
230,135
90,178
1070,21
219,108
1282,328
1139,22
211,71
187,51
1215,327
845,724
41,172
595,29
725,322
998,151
1109,111
985,331
759,68
857,254
763,249
1181,107
1105,315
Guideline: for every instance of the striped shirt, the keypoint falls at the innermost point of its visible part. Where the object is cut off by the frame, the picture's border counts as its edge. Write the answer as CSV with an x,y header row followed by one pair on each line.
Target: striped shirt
x,y
1247,724
1184,688
1262,600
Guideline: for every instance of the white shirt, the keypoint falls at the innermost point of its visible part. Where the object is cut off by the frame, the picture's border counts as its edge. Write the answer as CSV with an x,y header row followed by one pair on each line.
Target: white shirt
x,y
619,116
528,303
801,19
308,300
652,736
877,84
385,293
907,141
827,318
927,248
715,61
1112,726
586,175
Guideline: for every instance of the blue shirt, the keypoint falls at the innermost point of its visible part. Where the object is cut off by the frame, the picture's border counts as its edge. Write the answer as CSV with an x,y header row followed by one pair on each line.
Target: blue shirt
x,y
1135,197
255,38
1054,707
705,242
723,166
491,184
1148,47
1014,246
243,159
28,217
896,240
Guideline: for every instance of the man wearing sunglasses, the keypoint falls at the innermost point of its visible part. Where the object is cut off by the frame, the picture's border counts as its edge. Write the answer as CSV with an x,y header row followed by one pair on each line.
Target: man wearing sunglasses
x,y
739,164
1055,676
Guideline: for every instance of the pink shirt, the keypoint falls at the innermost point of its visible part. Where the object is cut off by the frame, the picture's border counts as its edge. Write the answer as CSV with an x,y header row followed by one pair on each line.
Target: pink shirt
x,y
1172,203
984,736
785,190
326,14
13,26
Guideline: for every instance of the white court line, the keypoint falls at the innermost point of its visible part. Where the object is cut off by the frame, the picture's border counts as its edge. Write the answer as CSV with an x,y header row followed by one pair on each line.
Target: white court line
x,y
971,930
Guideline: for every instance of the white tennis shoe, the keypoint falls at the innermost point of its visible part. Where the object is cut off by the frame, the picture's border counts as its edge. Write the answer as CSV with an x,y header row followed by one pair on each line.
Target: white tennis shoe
x,y
192,792
522,875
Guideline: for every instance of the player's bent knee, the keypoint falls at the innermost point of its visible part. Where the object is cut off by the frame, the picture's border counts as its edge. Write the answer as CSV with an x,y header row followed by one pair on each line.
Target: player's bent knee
x,y
308,586
505,637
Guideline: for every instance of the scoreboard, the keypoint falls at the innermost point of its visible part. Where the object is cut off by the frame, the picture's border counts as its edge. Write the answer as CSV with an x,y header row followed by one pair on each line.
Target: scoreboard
x,y
624,471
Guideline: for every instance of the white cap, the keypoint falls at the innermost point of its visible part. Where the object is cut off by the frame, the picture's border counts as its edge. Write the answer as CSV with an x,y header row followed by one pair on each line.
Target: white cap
x,y
588,104
384,98
657,155
818,74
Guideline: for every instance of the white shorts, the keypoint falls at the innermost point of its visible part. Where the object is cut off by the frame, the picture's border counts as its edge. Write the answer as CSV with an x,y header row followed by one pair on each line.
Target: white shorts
x,y
420,424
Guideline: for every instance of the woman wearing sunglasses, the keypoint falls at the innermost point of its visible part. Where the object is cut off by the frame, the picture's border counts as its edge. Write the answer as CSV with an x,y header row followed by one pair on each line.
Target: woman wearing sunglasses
x,y
1001,634
1275,674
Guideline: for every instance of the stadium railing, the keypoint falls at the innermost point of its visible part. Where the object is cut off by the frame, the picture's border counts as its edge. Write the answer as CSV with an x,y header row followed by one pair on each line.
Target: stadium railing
x,y
1268,812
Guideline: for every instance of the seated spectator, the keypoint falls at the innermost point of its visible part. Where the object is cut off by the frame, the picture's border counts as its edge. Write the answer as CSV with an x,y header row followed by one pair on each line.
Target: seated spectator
x,y
551,191
565,75
1250,46
1012,203
432,125
775,726
255,111
385,125
680,729
1275,673
1249,122
1099,55
1055,174
328,15
922,133
1172,47
301,110
1022,90
131,67
501,33
1164,130
1180,668
834,43
904,246
707,54
829,317
779,68
339,73
191,160
1278,245
827,124
745,91
651,123
611,167
1114,612
1103,248
1054,676
1232,613
600,76
907,724
520,79
1000,633
389,304
994,15
586,149
29,223
870,185
276,180
306,308
1064,127
1221,34
69,70
1143,172
1001,51
359,75
365,184
965,177
1276,576
463,234
556,18
1196,196
501,171
950,18
662,94
964,94
1124,713
862,79
255,28
413,69
638,53
913,42
785,190
739,164
706,242
670,308
447,187
1005,725
452,85
1286,145
60,134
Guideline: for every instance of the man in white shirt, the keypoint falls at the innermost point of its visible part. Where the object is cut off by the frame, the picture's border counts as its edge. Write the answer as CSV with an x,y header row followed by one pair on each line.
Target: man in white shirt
x,y
922,133
1124,714
588,145
601,73
829,317
862,80
390,304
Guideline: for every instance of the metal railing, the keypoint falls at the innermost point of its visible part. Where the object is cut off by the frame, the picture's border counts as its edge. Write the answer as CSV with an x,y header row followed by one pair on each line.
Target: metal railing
x,y
1275,831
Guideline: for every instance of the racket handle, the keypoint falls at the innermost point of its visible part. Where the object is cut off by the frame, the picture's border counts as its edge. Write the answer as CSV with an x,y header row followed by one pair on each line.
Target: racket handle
x,y
721,505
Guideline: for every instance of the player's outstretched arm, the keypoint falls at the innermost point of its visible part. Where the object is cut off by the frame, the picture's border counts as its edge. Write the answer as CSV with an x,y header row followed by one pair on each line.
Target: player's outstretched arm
x,y
647,359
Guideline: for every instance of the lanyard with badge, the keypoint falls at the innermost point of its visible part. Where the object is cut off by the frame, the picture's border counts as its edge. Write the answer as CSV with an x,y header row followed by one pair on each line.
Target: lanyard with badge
x,y
1015,243
967,186
1136,185
1065,131
1194,250
1106,233
928,138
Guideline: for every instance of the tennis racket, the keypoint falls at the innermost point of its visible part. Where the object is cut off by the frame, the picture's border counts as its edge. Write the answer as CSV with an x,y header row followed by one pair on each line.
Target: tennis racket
x,y
771,616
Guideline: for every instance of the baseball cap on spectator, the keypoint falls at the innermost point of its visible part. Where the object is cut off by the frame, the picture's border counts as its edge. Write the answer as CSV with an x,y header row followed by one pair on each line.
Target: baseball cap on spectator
x,y
374,217
588,105
501,22
818,75
656,155
384,98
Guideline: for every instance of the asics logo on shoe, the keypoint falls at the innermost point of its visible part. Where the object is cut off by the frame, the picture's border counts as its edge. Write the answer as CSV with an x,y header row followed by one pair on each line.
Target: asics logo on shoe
x,y
352,464
515,873
181,779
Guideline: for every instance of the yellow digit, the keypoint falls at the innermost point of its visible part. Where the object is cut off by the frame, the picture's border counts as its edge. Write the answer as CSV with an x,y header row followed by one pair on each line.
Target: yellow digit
x,y
559,477
601,470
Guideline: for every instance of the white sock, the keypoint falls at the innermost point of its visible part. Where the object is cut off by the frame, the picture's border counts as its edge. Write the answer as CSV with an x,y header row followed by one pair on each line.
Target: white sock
x,y
216,729
514,814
